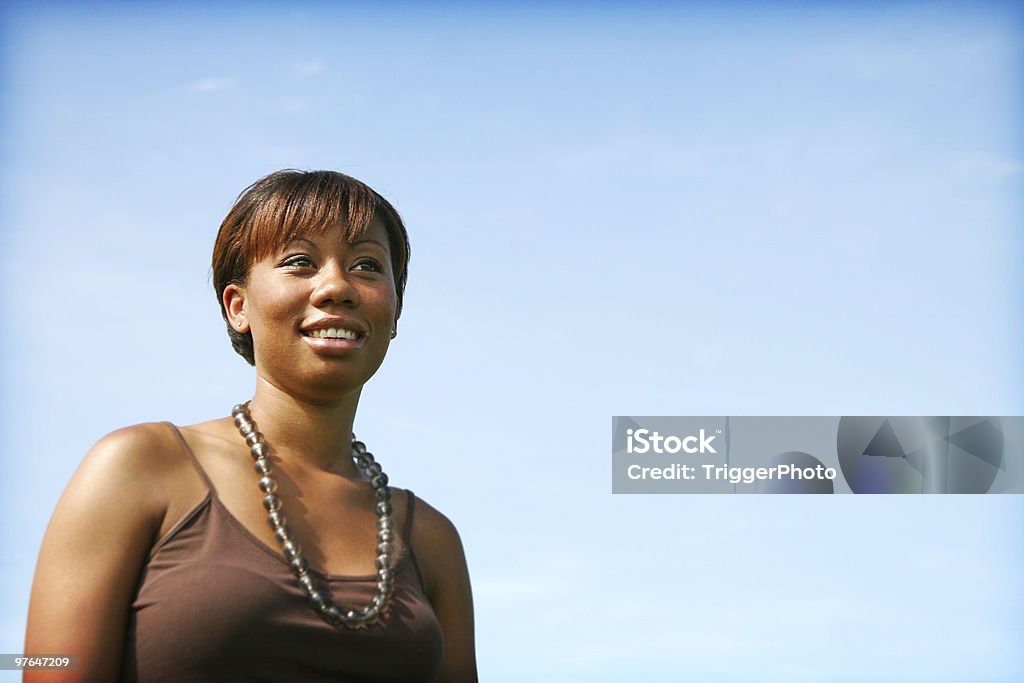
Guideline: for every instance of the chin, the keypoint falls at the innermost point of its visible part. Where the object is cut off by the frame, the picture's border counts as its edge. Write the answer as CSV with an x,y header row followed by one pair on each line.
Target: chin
x,y
326,386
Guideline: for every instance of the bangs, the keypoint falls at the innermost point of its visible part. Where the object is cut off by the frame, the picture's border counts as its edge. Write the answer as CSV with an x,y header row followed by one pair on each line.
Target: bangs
x,y
310,204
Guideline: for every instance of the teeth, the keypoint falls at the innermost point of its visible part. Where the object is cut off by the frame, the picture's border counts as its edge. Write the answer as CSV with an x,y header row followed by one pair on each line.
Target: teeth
x,y
334,333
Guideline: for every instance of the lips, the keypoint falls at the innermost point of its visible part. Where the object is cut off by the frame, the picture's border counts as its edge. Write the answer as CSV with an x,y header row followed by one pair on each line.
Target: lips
x,y
334,336
337,322
334,347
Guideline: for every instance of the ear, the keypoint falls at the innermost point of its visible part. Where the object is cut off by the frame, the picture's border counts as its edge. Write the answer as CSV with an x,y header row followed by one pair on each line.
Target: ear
x,y
233,299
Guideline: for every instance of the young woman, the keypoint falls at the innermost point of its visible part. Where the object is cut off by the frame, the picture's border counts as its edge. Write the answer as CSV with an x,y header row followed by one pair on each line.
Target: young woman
x,y
265,546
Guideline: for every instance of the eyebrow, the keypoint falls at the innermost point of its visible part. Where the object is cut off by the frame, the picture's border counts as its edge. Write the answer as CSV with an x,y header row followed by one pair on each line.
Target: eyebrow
x,y
370,240
301,239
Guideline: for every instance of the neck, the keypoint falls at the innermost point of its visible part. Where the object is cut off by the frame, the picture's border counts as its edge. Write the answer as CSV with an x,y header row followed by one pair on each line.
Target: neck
x,y
314,435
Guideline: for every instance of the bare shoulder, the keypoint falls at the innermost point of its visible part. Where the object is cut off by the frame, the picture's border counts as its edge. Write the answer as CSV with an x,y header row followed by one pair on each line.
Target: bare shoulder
x,y
140,446
128,471
437,544
140,460
431,525
446,580
94,547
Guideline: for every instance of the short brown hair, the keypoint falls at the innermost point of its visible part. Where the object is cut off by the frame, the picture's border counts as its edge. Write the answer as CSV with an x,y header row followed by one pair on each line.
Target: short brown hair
x,y
286,204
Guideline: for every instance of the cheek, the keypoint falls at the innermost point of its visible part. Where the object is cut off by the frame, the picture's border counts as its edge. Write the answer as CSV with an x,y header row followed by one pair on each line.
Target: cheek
x,y
270,312
377,302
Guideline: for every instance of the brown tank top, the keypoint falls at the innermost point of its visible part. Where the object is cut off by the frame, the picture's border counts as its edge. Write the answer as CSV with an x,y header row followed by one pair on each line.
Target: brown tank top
x,y
214,603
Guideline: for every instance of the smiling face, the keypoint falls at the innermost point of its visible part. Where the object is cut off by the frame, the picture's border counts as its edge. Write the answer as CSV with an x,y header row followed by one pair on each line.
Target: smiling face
x,y
289,204
321,310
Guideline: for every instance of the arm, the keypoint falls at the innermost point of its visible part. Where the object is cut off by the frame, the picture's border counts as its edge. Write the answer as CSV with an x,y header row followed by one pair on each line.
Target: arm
x,y
446,577
92,554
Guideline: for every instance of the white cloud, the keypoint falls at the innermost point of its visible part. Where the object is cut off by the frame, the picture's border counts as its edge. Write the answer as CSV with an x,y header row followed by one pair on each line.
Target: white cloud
x,y
556,579
209,84
311,68
295,105
506,587
986,167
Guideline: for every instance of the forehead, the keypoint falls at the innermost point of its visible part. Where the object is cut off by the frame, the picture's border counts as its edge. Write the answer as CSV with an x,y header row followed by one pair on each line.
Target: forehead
x,y
266,238
374,233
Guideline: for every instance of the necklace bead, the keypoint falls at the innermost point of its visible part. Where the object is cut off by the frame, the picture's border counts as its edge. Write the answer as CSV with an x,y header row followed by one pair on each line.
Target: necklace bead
x,y
318,599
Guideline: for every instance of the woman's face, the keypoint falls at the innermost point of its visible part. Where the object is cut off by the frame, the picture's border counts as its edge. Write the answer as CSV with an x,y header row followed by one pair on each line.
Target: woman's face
x,y
321,311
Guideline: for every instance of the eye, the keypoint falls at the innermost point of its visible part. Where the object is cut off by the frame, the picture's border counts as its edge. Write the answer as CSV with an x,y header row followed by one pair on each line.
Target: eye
x,y
369,264
298,261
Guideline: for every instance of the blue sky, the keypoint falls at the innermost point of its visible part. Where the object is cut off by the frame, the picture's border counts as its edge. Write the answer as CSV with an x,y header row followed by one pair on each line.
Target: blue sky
x,y
659,210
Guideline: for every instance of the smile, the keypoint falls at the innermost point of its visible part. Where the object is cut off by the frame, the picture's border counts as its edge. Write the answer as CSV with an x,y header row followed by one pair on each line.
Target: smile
x,y
333,333
334,342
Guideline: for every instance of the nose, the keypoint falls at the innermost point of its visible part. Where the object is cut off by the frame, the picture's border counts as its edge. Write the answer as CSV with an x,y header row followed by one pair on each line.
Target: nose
x,y
333,287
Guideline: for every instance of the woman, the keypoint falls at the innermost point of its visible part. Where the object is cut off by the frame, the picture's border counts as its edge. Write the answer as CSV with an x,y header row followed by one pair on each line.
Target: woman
x,y
266,545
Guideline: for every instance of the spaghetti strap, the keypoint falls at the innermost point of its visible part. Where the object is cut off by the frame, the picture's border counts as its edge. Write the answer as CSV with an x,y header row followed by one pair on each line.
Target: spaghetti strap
x,y
192,457
410,507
